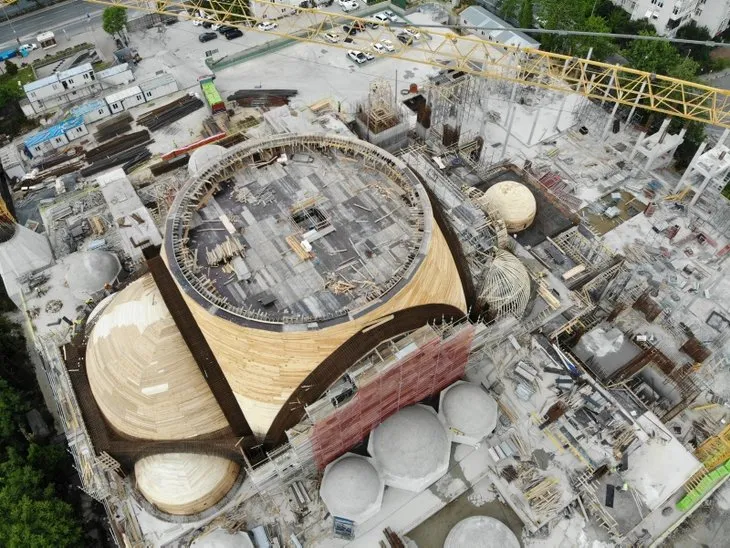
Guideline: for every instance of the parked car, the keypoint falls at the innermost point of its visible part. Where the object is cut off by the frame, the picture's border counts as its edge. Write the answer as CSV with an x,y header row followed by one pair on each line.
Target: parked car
x,y
349,30
267,25
380,48
356,56
197,22
207,24
381,17
413,32
235,33
358,25
207,36
372,23
407,39
348,5
332,37
388,45
369,56
224,29
390,15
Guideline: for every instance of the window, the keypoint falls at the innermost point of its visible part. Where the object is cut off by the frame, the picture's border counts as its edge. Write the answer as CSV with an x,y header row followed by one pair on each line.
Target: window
x,y
698,12
149,94
101,111
31,94
675,11
86,76
139,97
70,80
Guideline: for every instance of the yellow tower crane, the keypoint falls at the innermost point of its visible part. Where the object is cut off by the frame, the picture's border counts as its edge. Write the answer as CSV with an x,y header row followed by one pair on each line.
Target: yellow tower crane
x,y
444,48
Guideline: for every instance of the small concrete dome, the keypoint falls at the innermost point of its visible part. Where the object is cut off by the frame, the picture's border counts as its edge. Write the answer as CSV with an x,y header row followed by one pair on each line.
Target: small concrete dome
x,y
352,488
468,411
411,448
481,532
202,157
514,202
184,484
220,538
89,271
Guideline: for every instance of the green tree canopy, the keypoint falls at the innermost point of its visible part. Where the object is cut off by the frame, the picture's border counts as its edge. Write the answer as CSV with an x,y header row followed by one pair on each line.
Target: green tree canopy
x,y
113,20
509,8
11,68
12,406
701,54
657,56
526,14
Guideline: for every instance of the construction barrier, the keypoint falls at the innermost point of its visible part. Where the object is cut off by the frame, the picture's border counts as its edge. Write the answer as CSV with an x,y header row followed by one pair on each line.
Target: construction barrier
x,y
704,486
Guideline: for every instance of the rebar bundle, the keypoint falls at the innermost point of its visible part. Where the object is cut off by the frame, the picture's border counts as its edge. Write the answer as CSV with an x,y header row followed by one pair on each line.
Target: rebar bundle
x,y
169,113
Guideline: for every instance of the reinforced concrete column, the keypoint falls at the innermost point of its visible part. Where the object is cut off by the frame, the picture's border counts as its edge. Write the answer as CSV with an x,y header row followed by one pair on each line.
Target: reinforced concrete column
x,y
690,167
511,116
700,190
608,122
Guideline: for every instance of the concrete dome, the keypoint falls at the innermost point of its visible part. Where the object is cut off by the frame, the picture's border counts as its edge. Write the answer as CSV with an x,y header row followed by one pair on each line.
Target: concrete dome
x,y
89,271
411,448
184,483
203,157
514,202
505,286
468,411
481,532
142,375
352,488
220,538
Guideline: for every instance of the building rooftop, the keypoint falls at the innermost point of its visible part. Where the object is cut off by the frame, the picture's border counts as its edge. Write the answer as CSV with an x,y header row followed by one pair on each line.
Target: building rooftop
x,y
87,107
73,71
315,233
41,83
121,95
54,131
479,17
116,69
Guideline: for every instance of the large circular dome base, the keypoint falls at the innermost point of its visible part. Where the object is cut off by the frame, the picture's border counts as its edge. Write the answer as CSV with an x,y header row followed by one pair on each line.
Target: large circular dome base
x,y
481,532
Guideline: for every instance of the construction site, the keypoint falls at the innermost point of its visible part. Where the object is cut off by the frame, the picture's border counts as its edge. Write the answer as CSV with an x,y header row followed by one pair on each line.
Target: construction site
x,y
428,310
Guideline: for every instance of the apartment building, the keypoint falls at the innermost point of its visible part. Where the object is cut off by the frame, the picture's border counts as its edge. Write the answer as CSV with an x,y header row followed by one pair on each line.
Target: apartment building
x,y
669,15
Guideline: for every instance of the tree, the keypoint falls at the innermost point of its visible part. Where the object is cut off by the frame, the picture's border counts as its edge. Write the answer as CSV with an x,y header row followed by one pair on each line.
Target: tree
x,y
657,56
11,68
526,14
602,46
508,8
113,20
12,406
699,53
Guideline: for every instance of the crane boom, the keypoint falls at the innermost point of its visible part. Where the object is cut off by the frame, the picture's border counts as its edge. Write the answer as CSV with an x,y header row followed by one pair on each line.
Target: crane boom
x,y
446,49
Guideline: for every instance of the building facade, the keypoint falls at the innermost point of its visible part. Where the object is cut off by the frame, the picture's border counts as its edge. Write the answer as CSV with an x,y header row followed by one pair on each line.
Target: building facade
x,y
668,16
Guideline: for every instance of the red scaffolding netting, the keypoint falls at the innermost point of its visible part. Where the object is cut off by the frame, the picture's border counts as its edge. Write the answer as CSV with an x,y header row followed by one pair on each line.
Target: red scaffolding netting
x,y
434,365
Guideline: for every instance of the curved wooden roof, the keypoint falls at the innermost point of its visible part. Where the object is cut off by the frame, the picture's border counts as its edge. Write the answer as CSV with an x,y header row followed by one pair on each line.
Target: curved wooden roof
x,y
265,367
142,374
184,483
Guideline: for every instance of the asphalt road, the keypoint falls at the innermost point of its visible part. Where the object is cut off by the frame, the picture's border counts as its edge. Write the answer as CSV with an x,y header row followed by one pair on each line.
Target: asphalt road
x,y
70,16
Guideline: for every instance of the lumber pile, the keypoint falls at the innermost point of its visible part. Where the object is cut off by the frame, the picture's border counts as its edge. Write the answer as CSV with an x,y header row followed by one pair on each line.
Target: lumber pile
x,y
262,97
116,125
169,113
121,144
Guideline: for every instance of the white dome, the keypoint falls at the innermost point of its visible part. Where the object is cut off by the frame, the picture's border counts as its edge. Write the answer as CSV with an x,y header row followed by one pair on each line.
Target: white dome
x,y
469,412
514,202
352,488
89,271
202,157
481,532
506,285
184,483
411,448
220,538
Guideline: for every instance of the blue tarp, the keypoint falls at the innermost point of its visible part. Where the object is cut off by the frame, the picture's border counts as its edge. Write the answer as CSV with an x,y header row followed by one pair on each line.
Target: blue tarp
x,y
53,131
